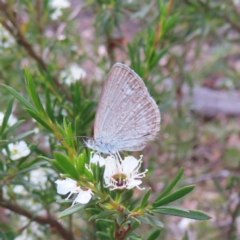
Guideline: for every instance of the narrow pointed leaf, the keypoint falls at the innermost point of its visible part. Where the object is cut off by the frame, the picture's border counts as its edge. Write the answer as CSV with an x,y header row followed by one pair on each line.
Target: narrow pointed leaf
x,y
65,163
154,222
154,235
103,214
21,99
144,202
72,210
21,136
80,164
7,115
126,195
33,93
193,214
172,184
57,165
39,119
13,127
170,209
3,143
174,196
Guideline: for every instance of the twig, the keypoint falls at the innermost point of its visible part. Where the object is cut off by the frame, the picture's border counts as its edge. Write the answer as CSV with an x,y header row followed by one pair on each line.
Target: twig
x,y
65,234
233,24
16,32
234,216
121,233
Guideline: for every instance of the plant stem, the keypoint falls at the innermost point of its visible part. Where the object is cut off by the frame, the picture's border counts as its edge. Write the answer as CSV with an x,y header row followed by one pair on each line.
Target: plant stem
x,y
48,220
16,32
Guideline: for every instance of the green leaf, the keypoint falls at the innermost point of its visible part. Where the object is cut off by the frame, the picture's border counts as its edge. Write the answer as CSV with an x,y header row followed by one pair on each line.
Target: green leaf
x,y
71,210
7,115
30,168
33,93
154,222
193,214
39,119
3,143
156,58
64,201
80,164
93,210
13,127
66,164
126,195
21,136
154,235
57,165
174,196
120,218
138,221
172,184
49,108
96,171
103,214
88,174
170,209
144,202
21,99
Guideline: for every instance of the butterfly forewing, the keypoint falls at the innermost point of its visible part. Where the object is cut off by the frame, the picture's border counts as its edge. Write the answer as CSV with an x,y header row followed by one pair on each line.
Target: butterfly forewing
x,y
139,123
127,116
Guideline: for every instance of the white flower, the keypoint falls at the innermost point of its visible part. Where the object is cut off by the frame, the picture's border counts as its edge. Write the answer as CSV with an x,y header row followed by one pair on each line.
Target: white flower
x,y
6,39
123,174
96,158
72,74
17,150
36,130
185,223
236,2
31,232
19,189
68,185
84,196
39,176
102,51
11,120
64,112
58,5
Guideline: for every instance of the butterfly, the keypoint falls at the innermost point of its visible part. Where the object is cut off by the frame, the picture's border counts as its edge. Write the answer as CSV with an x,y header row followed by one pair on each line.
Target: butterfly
x,y
127,116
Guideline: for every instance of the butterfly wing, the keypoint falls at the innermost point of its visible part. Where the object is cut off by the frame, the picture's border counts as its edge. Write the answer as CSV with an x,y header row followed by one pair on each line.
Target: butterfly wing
x,y
127,116
136,122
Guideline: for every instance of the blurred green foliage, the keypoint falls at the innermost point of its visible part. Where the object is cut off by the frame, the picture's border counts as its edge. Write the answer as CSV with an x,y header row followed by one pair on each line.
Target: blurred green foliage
x,y
170,44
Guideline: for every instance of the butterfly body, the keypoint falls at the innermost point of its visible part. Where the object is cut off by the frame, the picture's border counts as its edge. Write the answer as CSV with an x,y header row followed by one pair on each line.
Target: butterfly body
x,y
100,146
127,116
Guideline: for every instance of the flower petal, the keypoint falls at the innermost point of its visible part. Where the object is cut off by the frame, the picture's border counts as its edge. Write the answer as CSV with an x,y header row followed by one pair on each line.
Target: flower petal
x,y
123,174
83,197
133,183
67,185
130,164
96,158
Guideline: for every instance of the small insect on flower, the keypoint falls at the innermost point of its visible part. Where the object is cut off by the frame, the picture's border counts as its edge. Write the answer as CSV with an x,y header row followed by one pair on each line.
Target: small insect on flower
x,y
123,174
70,186
17,150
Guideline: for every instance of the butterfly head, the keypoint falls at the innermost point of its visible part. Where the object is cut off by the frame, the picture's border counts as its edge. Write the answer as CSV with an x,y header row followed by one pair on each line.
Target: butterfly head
x,y
99,146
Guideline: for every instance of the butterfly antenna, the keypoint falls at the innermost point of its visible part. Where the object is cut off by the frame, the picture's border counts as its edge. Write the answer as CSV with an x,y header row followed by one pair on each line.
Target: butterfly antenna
x,y
61,139
78,151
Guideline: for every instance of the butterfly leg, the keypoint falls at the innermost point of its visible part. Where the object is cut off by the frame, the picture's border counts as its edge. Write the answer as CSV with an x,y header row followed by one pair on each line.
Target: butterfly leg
x,y
119,156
